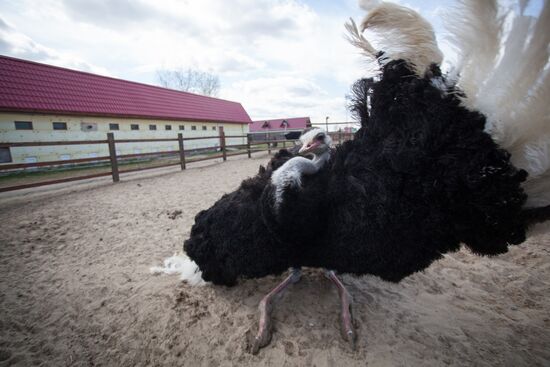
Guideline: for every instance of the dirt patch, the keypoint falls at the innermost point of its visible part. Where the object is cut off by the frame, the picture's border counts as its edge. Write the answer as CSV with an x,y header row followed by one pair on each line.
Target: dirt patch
x,y
76,290
174,214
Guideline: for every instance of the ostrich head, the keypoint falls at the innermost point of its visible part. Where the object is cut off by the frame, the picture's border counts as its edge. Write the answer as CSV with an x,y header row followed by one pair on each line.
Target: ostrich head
x,y
315,141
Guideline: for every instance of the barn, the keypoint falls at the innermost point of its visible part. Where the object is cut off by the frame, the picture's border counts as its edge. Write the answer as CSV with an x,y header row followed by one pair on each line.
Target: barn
x,y
40,102
276,129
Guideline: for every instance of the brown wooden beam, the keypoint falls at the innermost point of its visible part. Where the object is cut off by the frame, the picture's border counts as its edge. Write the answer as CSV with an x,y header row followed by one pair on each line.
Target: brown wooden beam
x,y
52,182
222,143
181,151
143,140
146,168
4,167
138,155
112,156
46,143
203,137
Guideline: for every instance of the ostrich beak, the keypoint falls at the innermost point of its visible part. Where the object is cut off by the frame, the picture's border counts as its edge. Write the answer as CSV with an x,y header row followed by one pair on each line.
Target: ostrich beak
x,y
305,149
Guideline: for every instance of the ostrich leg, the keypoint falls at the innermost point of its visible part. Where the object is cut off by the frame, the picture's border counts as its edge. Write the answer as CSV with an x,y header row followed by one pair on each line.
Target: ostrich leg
x,y
266,307
346,316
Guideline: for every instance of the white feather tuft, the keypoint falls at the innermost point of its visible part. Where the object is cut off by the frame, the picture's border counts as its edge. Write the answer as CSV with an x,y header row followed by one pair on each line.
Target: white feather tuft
x,y
403,34
181,264
504,70
356,38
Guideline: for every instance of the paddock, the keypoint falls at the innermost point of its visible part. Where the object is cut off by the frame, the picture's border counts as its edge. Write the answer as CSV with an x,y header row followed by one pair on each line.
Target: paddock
x,y
76,290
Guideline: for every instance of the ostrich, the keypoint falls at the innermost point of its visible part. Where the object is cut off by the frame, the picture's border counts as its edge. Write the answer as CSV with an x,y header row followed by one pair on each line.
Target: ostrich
x,y
423,175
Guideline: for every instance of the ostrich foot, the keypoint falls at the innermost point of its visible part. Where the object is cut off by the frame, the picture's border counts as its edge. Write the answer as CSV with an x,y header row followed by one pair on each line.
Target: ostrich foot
x,y
266,308
346,316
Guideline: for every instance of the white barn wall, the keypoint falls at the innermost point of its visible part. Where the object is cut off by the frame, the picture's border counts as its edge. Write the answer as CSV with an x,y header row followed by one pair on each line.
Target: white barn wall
x,y
43,131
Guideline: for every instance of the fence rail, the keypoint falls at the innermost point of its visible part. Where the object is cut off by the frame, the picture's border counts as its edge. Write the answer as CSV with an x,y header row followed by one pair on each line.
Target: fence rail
x,y
51,182
46,143
113,158
337,123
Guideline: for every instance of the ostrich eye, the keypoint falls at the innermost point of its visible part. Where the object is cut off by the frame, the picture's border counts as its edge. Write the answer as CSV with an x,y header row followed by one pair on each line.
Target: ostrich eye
x,y
320,137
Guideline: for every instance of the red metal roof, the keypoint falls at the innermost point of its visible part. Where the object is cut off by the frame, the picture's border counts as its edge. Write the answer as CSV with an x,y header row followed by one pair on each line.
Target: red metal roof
x,y
295,123
27,86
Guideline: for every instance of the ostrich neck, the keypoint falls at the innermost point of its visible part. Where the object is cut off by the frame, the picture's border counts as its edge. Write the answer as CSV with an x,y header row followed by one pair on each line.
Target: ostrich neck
x,y
319,160
290,173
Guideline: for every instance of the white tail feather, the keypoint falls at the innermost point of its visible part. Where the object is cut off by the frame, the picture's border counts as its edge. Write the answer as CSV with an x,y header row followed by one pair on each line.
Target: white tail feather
x,y
474,34
181,264
368,5
358,40
504,70
403,34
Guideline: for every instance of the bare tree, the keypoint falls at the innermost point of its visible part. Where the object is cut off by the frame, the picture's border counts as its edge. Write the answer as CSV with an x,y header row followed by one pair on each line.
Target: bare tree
x,y
190,80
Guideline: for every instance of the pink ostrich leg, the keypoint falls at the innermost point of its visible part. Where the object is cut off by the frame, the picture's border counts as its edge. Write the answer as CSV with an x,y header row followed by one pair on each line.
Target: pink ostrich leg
x,y
266,308
346,317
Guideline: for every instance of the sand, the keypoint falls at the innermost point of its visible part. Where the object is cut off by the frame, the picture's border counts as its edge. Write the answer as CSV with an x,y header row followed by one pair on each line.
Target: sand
x,y
76,290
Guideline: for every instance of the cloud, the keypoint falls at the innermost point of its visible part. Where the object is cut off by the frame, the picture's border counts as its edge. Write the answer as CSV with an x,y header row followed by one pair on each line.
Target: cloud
x,y
108,12
19,45
274,56
236,62
271,19
286,96
3,25
238,19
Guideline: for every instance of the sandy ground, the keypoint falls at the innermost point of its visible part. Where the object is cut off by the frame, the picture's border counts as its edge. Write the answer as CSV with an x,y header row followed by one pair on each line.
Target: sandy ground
x,y
75,289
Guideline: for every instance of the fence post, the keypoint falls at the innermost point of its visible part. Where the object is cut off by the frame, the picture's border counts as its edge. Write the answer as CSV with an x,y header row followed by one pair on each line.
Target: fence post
x,y
268,144
112,156
340,136
248,146
222,143
182,151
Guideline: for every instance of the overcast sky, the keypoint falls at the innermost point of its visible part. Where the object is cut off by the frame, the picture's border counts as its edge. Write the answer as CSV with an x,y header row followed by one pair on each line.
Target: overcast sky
x,y
279,58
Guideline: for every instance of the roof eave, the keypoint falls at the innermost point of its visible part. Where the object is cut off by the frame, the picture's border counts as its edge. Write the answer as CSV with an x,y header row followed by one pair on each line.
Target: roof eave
x,y
99,114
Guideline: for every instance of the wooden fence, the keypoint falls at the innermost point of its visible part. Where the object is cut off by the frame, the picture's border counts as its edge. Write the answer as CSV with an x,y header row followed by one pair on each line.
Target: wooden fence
x,y
113,159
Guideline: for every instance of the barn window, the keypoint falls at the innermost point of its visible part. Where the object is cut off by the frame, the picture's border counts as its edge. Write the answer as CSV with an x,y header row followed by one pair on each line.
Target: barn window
x,y
59,125
113,127
134,127
182,127
5,155
23,125
204,127
213,127
168,127
152,127
88,126
193,128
